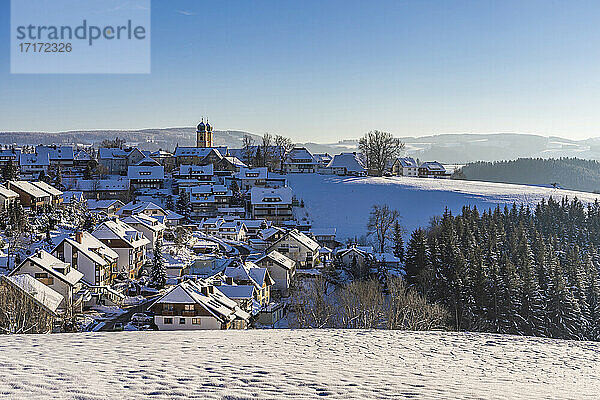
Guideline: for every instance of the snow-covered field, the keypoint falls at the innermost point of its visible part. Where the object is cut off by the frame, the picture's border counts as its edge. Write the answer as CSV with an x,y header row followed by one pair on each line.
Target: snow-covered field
x,y
287,364
345,202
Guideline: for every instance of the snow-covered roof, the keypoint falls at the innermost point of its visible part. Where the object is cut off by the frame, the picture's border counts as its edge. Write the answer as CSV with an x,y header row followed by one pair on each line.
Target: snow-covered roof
x,y
252,173
102,204
61,153
93,248
82,155
271,196
199,151
146,171
142,219
324,158
34,159
407,162
349,161
136,207
7,193
433,166
200,170
116,229
213,300
69,195
29,188
279,258
106,153
53,265
237,291
47,188
300,238
300,155
120,183
45,295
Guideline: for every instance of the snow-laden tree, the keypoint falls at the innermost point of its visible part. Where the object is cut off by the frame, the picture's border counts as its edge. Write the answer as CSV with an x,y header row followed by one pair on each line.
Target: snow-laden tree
x,y
158,273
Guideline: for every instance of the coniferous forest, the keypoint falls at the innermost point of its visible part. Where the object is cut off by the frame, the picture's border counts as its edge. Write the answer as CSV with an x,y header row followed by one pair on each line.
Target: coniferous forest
x,y
568,173
513,270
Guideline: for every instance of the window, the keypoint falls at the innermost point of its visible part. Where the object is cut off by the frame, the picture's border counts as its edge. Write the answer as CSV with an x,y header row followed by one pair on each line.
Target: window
x,y
167,307
168,321
188,307
195,321
181,321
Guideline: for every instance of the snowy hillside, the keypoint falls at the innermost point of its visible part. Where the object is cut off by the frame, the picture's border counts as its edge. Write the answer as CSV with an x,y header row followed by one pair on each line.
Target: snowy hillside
x,y
284,364
345,202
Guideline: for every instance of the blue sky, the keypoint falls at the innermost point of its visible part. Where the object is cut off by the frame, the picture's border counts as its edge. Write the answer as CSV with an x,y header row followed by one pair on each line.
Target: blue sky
x,y
328,70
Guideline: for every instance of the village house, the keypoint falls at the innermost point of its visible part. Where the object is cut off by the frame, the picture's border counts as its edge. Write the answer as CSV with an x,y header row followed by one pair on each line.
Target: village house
x,y
30,195
129,243
347,164
233,230
325,237
146,174
405,166
81,160
164,158
432,169
57,155
323,160
355,256
151,228
108,208
299,160
10,155
200,173
197,305
272,204
248,178
281,269
298,247
25,292
113,188
8,198
56,274
70,197
88,255
32,165
135,207
116,160
249,273
56,196
198,155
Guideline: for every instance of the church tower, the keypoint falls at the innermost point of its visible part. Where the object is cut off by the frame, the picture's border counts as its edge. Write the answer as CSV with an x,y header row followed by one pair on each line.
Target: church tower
x,y
204,135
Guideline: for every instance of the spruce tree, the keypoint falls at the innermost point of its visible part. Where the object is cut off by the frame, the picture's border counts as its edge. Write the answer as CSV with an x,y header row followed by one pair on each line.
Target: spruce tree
x,y
417,258
158,273
398,242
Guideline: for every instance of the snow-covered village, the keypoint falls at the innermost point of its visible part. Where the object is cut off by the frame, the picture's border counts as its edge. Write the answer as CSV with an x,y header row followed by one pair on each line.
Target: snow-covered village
x,y
256,200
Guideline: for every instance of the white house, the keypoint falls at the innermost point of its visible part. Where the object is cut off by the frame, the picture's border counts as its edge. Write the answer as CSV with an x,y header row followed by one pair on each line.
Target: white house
x,y
194,305
151,228
297,246
247,178
88,255
281,268
271,204
300,160
405,166
54,273
8,198
129,243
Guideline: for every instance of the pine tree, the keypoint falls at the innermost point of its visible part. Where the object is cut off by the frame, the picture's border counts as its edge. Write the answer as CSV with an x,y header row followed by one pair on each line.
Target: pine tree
x,y
563,311
183,204
158,274
170,205
417,258
398,242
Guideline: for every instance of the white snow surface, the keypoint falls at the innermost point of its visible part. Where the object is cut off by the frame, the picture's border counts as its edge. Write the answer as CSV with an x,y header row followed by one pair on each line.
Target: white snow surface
x,y
345,202
296,364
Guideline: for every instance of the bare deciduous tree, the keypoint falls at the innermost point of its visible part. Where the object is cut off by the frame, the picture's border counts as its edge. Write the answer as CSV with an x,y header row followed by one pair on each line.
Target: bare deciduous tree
x,y
381,225
247,152
379,149
283,146
311,306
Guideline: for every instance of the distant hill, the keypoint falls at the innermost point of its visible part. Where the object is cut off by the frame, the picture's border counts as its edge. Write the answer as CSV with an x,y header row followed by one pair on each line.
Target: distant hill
x,y
445,148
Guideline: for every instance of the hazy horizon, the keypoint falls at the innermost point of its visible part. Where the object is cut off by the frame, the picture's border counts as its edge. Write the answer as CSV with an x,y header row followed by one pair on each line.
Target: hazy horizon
x,y
329,71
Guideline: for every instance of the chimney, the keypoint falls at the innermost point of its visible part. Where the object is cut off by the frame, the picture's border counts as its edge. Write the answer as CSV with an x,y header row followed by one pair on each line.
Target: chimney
x,y
79,237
